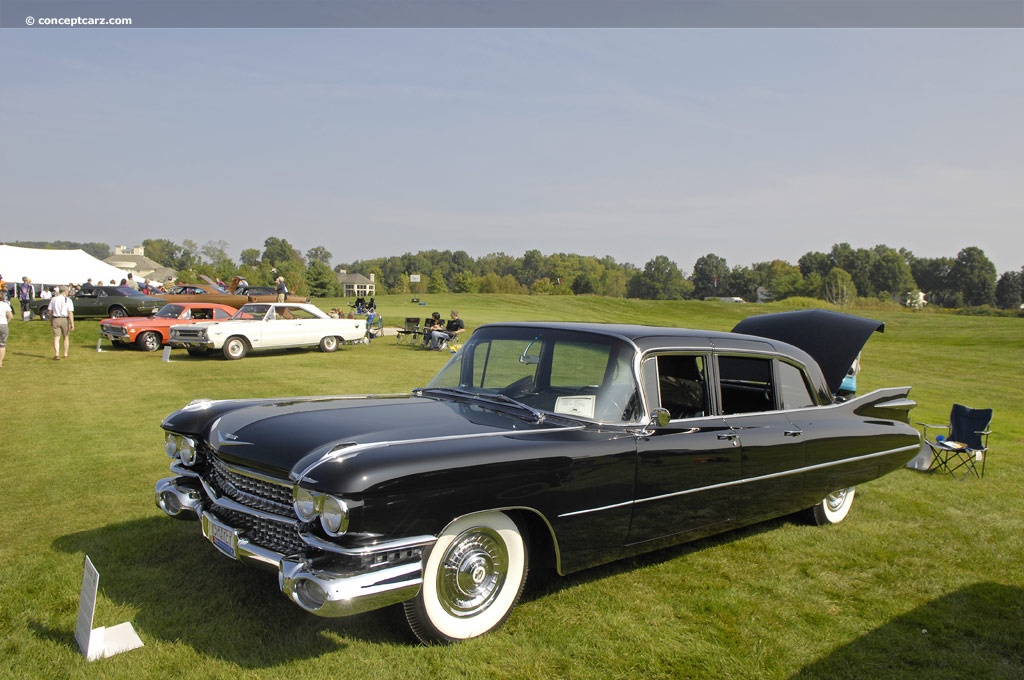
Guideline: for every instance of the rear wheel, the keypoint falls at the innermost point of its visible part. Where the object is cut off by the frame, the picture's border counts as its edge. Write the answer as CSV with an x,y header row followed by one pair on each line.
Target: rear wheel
x,y
834,507
472,579
117,312
329,344
235,347
148,341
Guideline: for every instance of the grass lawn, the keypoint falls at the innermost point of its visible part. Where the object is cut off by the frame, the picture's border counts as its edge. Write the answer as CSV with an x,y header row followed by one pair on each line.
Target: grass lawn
x,y
925,578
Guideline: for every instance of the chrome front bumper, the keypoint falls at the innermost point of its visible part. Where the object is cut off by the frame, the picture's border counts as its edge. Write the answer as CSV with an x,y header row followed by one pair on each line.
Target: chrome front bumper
x,y
317,585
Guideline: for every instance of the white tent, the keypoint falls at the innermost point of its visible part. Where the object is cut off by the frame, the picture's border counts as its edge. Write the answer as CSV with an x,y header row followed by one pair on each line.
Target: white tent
x,y
52,267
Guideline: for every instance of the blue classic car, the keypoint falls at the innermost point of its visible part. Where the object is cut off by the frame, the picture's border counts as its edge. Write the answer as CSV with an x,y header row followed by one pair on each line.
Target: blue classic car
x,y
538,444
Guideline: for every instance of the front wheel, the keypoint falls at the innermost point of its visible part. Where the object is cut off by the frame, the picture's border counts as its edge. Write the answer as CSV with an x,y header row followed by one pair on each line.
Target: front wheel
x,y
235,348
329,344
472,579
148,341
834,507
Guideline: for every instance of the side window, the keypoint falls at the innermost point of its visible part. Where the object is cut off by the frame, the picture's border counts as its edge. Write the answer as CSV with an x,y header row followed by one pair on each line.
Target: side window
x,y
677,383
793,387
746,384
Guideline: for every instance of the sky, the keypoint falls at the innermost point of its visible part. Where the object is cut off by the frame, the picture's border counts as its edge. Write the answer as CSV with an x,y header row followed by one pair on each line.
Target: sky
x,y
749,144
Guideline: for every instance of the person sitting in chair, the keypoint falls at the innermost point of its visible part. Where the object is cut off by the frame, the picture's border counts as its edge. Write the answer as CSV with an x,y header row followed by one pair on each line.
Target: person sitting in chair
x,y
454,326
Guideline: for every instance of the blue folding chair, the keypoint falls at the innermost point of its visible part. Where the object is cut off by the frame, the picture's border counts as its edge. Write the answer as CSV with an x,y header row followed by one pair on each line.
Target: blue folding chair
x,y
965,447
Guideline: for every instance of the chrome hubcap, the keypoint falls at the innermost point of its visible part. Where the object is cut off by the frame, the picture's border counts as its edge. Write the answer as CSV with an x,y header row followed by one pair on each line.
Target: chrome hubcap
x,y
835,500
472,572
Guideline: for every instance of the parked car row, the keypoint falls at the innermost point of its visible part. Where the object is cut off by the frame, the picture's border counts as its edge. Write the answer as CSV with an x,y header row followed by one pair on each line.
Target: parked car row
x,y
203,329
123,301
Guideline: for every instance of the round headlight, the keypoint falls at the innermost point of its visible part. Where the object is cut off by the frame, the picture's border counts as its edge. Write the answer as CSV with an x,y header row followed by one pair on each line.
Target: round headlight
x,y
187,451
171,444
334,516
305,503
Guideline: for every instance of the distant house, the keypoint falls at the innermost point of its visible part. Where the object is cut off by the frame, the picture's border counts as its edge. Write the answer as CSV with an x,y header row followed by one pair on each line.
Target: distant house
x,y
134,260
357,285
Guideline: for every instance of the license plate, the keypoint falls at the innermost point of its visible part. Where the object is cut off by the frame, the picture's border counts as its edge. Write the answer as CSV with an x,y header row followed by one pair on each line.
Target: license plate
x,y
223,538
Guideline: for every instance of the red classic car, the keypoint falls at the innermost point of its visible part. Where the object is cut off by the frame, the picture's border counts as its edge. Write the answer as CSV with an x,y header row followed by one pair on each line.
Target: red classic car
x,y
150,332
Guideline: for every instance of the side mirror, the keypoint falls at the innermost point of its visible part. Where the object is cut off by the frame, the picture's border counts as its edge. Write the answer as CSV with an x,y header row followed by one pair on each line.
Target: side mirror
x,y
660,417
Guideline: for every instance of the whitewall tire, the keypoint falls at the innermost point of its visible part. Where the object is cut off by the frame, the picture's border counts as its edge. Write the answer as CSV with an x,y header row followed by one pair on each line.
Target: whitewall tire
x,y
834,507
472,579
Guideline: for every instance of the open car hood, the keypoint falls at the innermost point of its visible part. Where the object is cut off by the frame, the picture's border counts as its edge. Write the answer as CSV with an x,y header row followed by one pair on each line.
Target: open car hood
x,y
832,339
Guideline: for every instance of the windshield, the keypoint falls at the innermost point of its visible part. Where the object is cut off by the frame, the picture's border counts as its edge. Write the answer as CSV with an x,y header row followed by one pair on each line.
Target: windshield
x,y
578,374
251,312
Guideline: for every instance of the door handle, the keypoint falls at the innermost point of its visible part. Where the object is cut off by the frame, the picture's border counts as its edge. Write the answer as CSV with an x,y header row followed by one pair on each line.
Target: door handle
x,y
793,433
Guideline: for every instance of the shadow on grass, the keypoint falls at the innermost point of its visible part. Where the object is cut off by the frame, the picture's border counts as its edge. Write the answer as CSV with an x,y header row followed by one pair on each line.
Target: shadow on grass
x,y
975,632
183,590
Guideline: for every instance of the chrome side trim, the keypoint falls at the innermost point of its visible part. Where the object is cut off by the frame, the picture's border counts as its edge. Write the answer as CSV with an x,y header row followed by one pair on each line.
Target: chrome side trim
x,y
386,546
740,482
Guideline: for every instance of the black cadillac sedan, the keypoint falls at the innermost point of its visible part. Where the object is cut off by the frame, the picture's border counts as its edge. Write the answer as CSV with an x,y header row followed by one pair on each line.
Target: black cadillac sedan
x,y
557,444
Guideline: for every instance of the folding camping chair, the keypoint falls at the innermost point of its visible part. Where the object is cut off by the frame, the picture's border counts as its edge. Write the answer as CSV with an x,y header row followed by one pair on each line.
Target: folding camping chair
x,y
410,331
960,452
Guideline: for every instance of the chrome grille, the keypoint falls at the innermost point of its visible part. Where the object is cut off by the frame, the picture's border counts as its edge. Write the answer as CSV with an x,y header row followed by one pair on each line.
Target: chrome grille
x,y
188,334
251,491
260,494
113,330
265,533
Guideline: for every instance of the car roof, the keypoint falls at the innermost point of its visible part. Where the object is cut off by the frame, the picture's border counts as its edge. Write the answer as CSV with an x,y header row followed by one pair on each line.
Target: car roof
x,y
664,338
649,338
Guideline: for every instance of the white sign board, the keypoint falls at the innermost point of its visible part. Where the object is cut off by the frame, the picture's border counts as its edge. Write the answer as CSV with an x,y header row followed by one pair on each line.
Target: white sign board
x,y
414,278
97,643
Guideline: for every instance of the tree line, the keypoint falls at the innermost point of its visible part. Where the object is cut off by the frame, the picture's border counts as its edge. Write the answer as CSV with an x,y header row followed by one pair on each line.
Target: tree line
x,y
844,273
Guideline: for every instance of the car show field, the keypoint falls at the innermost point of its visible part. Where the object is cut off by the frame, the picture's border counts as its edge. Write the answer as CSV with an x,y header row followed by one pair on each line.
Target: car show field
x,y
924,578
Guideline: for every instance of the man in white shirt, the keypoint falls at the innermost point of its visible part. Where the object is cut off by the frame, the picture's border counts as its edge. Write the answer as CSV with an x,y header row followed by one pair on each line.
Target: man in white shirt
x,y
62,321
6,314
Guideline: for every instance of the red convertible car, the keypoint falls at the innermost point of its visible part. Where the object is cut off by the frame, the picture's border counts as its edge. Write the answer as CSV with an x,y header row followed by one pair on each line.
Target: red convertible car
x,y
150,332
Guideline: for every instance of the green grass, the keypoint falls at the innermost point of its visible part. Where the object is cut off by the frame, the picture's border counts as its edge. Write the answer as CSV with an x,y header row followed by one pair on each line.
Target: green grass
x,y
924,579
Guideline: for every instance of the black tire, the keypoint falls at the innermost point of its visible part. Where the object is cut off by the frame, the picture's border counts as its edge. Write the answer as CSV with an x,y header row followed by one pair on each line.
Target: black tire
x,y
473,577
235,347
329,343
149,341
117,312
833,508
44,314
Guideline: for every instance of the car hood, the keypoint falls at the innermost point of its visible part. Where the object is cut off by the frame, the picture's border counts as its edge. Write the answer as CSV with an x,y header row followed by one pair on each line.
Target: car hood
x,y
832,339
129,320
285,437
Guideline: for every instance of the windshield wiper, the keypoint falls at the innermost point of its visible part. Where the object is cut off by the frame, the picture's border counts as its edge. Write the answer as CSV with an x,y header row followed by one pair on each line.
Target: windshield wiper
x,y
537,414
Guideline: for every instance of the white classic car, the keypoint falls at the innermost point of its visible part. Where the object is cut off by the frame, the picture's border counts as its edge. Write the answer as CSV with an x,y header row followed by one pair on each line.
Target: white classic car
x,y
265,325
